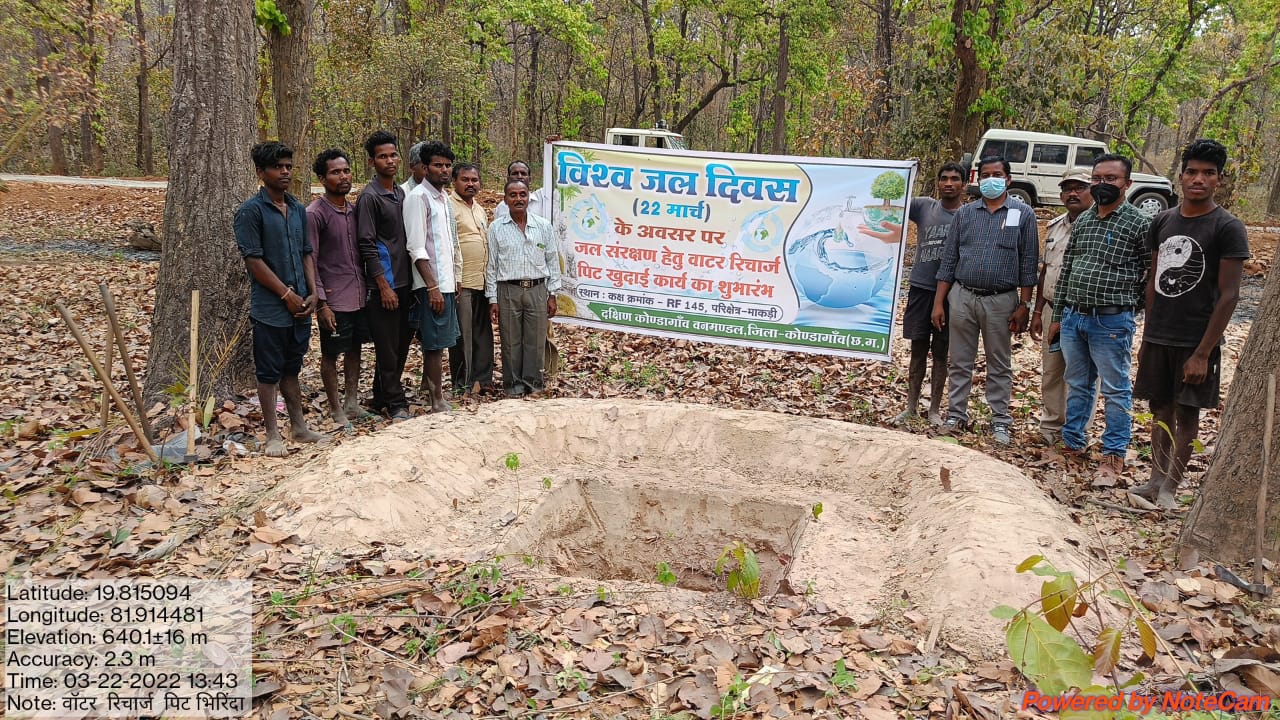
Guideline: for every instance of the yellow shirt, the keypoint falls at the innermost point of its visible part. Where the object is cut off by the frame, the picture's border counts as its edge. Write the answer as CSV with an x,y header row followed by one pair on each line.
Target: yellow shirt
x,y
473,227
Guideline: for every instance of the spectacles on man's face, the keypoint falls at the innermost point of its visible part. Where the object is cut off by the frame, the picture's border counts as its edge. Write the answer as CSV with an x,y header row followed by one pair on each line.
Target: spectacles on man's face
x,y
1109,179
1075,190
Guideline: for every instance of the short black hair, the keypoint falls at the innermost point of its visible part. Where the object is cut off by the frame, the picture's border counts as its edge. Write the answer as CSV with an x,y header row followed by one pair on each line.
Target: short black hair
x,y
434,148
1113,157
1008,171
514,163
379,137
1205,150
513,182
954,167
267,154
321,165
457,169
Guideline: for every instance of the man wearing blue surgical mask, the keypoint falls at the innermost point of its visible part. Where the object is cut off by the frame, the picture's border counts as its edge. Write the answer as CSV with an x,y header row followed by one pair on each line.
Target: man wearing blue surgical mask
x,y
990,265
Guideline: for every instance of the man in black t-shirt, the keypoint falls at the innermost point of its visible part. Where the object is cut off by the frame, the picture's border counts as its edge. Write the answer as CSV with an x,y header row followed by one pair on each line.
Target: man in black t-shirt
x,y
1198,253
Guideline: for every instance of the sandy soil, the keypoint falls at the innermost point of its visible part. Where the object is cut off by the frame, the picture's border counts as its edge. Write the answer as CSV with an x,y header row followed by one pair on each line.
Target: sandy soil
x,y
632,484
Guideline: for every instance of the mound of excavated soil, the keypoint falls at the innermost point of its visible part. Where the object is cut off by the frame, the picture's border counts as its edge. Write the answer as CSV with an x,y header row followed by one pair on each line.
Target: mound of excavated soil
x,y
609,489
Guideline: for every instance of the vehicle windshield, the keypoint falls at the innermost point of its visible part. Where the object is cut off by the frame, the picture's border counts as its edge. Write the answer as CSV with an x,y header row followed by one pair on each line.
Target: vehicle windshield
x,y
676,143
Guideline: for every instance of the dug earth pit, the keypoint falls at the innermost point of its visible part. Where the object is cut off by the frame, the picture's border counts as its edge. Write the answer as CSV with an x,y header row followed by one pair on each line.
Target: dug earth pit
x,y
609,489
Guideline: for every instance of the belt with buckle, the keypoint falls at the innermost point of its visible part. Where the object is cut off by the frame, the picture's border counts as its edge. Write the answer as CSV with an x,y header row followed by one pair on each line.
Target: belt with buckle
x,y
981,292
1101,309
525,283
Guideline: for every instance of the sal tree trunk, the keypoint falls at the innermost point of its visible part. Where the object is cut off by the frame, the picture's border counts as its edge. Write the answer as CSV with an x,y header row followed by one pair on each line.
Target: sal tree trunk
x,y
291,86
211,127
145,157
1222,524
779,145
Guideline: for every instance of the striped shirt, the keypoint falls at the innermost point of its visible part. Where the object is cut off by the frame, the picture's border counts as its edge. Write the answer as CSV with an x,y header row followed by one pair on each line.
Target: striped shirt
x,y
516,254
431,235
994,251
1107,260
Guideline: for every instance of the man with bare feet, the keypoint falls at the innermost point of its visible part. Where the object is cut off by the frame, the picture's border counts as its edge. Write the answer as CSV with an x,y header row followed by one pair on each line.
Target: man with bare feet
x,y
271,232
932,217
331,229
1197,258
432,239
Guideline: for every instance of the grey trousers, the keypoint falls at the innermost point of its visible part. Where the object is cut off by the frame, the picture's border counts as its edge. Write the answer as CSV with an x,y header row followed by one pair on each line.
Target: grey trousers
x,y
475,347
973,316
522,325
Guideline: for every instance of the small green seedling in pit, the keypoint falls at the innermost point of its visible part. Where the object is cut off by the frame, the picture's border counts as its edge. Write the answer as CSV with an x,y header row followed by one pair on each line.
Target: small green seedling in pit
x,y
512,461
816,510
546,483
744,578
665,575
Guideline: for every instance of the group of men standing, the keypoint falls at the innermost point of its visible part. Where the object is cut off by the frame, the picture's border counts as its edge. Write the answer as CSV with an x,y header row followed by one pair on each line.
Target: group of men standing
x,y
1104,263
417,260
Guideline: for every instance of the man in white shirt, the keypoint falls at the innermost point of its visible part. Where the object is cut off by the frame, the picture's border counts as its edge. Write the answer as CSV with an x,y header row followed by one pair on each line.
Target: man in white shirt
x,y
521,279
432,240
539,202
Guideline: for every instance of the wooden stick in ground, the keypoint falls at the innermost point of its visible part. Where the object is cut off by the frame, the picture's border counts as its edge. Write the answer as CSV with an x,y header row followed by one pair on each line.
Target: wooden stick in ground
x,y
105,410
106,382
1261,518
193,376
134,388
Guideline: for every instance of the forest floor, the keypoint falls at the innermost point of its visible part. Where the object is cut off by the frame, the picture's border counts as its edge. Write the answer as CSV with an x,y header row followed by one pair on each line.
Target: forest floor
x,y
377,632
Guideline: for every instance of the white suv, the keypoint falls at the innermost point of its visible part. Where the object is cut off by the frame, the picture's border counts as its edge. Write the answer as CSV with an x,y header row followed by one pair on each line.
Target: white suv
x,y
1038,160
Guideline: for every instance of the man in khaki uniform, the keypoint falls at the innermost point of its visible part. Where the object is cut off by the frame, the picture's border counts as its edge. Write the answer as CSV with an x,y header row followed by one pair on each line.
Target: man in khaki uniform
x,y
471,360
1075,197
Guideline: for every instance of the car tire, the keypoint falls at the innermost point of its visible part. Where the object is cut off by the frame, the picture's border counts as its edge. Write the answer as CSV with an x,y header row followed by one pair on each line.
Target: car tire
x,y
1023,195
1150,203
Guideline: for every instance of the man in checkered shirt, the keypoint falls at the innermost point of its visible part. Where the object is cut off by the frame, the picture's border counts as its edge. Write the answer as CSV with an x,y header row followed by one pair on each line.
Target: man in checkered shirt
x,y
1097,297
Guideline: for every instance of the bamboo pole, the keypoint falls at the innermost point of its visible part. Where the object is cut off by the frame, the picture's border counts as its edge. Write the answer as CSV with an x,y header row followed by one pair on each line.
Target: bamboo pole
x,y
1261,517
193,376
106,381
105,410
134,387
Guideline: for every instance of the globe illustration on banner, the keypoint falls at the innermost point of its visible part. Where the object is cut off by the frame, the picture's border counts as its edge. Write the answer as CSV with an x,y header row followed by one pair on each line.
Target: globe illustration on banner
x,y
588,219
831,272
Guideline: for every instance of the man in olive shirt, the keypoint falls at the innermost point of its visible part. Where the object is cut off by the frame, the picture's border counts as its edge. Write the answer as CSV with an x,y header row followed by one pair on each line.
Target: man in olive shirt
x,y
1074,193
383,249
1098,294
471,360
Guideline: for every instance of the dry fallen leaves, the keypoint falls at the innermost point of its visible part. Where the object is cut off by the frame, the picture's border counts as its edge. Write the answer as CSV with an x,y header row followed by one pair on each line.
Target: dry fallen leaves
x,y
421,648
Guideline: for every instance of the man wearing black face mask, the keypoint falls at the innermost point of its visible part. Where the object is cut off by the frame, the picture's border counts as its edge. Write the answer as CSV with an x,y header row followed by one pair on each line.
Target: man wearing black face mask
x,y
1098,294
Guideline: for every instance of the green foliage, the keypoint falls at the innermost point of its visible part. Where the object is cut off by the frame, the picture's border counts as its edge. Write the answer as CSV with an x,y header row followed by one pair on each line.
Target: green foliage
x,y
1050,659
665,575
743,570
270,18
511,461
889,185
1057,662
843,680
734,700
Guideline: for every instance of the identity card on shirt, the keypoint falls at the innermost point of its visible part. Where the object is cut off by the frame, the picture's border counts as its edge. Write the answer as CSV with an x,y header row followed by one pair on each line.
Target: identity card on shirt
x,y
1013,218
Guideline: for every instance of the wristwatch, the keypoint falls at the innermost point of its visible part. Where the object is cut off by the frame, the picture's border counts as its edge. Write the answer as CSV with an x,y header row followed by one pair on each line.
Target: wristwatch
x,y
1029,305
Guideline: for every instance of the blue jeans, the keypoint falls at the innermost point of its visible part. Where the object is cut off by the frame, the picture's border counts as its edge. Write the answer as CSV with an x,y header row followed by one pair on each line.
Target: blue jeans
x,y
1098,347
